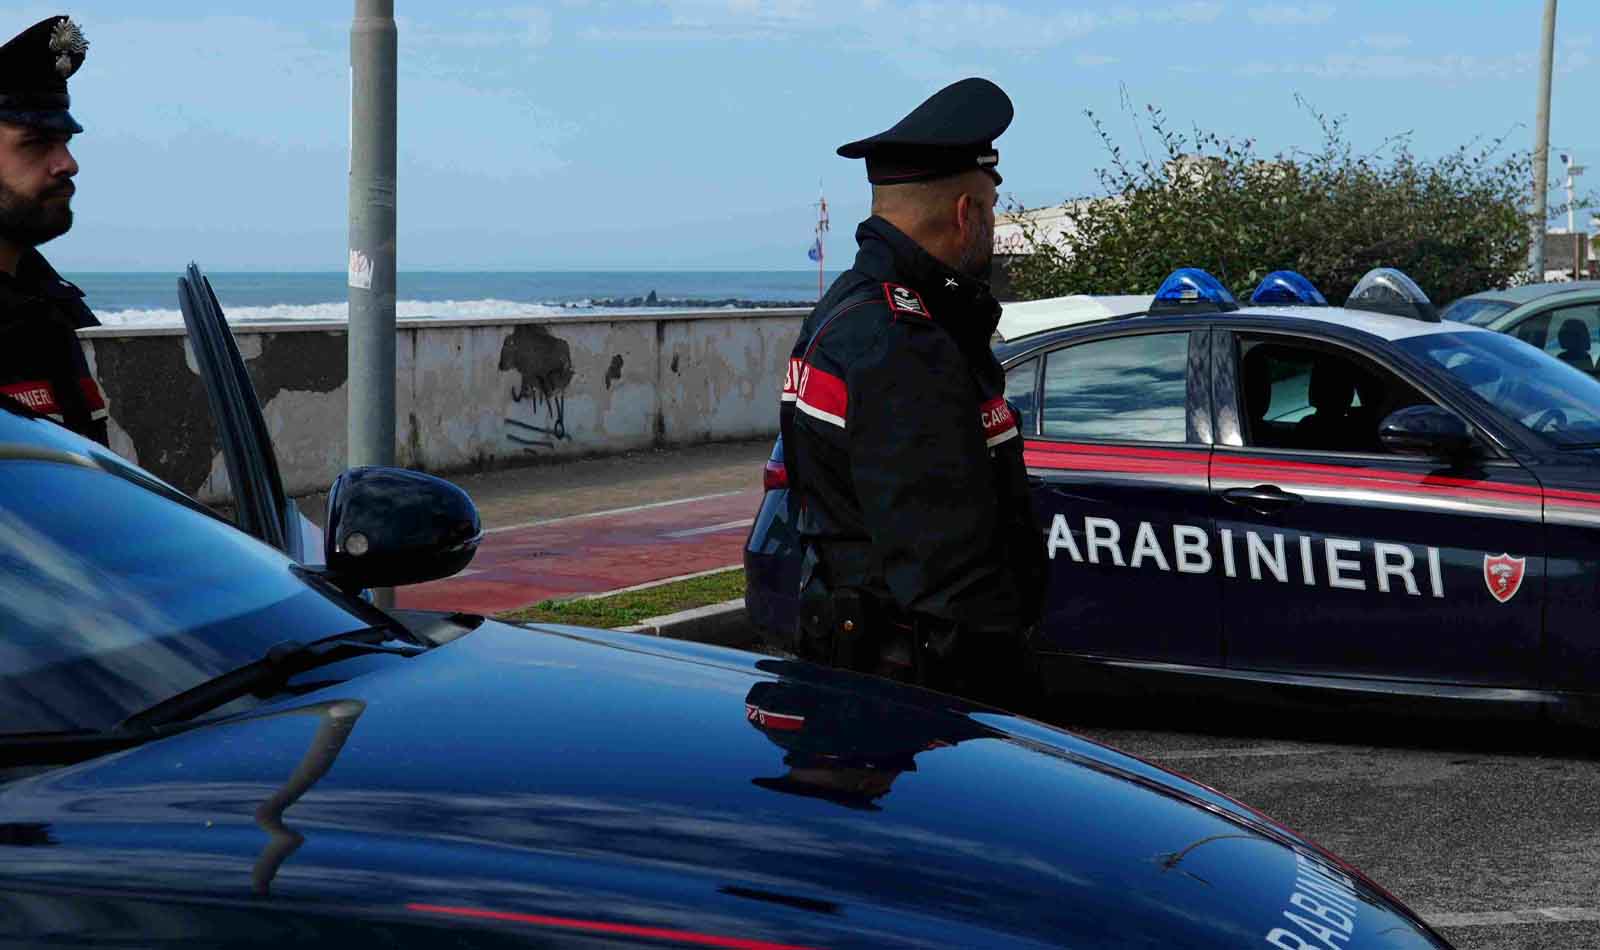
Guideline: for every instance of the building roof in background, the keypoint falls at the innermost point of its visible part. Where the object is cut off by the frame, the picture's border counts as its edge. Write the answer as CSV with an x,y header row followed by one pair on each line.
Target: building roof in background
x,y
1047,224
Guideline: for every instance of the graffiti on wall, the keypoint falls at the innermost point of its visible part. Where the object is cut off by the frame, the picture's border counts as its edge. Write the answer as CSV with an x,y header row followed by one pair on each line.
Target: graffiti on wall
x,y
543,364
161,404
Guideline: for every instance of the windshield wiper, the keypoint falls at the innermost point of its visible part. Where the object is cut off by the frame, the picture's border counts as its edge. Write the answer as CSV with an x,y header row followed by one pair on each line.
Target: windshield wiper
x,y
267,675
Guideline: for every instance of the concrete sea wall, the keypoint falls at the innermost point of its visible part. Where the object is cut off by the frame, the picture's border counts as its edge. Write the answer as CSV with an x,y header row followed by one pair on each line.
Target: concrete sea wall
x,y
470,394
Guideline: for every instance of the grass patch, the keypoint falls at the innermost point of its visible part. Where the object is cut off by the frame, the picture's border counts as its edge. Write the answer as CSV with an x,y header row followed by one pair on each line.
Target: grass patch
x,y
623,610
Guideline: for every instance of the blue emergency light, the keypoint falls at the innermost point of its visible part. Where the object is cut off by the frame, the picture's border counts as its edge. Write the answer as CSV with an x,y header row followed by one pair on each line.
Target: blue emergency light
x,y
1285,288
1192,290
1386,290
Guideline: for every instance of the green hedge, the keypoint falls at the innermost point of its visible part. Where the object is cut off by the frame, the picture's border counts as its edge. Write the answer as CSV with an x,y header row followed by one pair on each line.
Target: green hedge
x,y
1456,224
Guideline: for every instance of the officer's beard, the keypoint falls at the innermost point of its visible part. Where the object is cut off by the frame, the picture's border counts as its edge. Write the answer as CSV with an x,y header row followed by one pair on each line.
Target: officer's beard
x,y
30,222
977,258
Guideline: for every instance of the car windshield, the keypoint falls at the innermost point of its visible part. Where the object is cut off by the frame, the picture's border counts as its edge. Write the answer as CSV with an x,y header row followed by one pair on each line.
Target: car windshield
x,y
114,597
1477,311
1539,391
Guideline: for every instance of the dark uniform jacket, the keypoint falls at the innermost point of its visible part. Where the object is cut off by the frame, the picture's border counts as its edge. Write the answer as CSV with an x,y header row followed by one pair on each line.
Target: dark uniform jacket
x,y
902,452
42,364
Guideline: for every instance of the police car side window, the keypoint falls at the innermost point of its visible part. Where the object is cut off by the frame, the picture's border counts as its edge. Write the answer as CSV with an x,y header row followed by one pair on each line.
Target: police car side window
x,y
1315,398
1020,383
1131,388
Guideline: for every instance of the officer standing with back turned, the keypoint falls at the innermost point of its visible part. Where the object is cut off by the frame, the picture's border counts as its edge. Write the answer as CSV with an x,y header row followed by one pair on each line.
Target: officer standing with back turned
x,y
42,364
921,556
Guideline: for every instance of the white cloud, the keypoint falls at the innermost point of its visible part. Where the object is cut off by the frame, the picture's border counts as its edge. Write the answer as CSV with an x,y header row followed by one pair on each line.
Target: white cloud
x,y
537,25
1193,13
1091,60
1385,41
1278,14
901,29
1382,66
528,27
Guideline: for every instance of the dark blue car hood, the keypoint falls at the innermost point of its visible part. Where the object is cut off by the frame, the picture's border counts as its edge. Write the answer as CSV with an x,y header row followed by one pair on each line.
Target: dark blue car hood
x,y
559,784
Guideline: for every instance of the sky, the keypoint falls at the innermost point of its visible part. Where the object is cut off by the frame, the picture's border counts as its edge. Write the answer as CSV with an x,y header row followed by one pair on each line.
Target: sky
x,y
668,134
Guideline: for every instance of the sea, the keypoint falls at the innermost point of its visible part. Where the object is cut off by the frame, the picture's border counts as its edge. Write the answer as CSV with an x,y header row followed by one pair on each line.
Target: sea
x,y
128,298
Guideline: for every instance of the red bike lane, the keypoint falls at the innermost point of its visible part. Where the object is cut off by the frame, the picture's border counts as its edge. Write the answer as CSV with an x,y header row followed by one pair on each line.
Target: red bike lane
x,y
518,565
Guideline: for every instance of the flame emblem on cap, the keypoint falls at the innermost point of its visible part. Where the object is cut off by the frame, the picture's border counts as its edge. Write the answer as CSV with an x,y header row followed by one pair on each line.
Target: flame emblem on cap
x,y
67,41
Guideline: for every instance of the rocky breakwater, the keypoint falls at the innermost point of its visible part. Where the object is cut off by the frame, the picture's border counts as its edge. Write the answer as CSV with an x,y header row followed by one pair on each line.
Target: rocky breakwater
x,y
694,303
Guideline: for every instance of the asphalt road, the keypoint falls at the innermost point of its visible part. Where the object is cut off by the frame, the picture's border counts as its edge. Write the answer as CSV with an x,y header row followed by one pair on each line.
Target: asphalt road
x,y
1490,831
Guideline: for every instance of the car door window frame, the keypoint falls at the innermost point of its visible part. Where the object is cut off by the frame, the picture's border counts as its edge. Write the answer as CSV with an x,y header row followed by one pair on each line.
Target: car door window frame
x,y
1036,357
1227,392
1198,414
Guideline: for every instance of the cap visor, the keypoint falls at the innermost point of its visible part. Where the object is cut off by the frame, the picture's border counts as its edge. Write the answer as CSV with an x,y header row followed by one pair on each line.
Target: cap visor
x,y
58,120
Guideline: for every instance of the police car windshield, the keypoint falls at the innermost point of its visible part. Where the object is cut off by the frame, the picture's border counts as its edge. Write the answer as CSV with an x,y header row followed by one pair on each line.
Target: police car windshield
x,y
1540,392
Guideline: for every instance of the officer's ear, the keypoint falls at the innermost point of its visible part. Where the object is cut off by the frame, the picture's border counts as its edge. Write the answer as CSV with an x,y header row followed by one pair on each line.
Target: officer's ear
x,y
966,207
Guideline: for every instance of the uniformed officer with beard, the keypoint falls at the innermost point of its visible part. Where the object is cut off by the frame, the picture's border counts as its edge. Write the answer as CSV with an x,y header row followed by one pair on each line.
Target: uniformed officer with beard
x,y
922,559
42,364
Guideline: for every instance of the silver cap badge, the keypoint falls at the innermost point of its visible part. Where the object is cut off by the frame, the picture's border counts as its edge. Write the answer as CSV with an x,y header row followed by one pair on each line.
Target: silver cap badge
x,y
67,40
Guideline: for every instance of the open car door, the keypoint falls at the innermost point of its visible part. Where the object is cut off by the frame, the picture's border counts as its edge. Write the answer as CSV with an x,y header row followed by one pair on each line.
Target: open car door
x,y
261,506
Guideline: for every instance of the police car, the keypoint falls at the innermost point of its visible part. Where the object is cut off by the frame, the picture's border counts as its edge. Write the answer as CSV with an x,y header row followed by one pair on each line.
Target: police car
x,y
1358,499
208,741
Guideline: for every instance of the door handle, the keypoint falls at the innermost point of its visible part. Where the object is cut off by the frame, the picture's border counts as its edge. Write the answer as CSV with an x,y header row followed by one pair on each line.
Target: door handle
x,y
1263,498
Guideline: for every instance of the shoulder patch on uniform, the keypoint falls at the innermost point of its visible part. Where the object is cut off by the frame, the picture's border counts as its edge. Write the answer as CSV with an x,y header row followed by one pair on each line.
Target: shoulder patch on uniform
x,y
998,421
904,300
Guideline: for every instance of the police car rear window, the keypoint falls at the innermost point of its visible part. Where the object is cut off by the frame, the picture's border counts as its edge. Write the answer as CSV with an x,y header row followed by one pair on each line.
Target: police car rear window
x,y
1130,388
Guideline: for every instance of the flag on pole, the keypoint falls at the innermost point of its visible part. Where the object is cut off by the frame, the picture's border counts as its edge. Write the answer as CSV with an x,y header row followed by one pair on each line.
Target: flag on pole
x,y
816,252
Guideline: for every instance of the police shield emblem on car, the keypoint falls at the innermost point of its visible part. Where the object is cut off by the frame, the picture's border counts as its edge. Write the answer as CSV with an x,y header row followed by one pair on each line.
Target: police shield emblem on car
x,y
1503,575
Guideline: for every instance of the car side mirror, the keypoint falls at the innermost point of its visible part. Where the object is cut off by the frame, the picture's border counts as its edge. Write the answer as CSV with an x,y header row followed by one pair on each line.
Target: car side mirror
x,y
1428,431
388,527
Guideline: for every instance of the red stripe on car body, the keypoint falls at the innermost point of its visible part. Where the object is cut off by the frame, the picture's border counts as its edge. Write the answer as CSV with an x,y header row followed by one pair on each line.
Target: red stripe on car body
x,y
1342,471
1073,448
1061,456
596,926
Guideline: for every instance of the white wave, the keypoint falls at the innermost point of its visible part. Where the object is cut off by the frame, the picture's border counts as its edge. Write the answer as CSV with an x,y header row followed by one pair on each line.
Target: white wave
x,y
340,310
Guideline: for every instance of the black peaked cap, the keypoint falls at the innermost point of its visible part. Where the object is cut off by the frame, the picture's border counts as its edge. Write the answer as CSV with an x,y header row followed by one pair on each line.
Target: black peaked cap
x,y
34,67
953,131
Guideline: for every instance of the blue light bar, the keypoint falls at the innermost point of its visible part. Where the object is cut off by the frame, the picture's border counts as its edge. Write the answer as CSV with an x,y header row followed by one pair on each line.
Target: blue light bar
x,y
1192,290
1285,288
1386,290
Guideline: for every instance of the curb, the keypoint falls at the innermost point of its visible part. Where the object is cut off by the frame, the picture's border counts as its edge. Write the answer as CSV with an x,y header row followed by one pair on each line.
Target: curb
x,y
724,624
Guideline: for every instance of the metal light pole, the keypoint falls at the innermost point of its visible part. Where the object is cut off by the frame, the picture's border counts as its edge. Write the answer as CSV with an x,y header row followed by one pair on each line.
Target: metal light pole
x,y
1541,142
373,67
